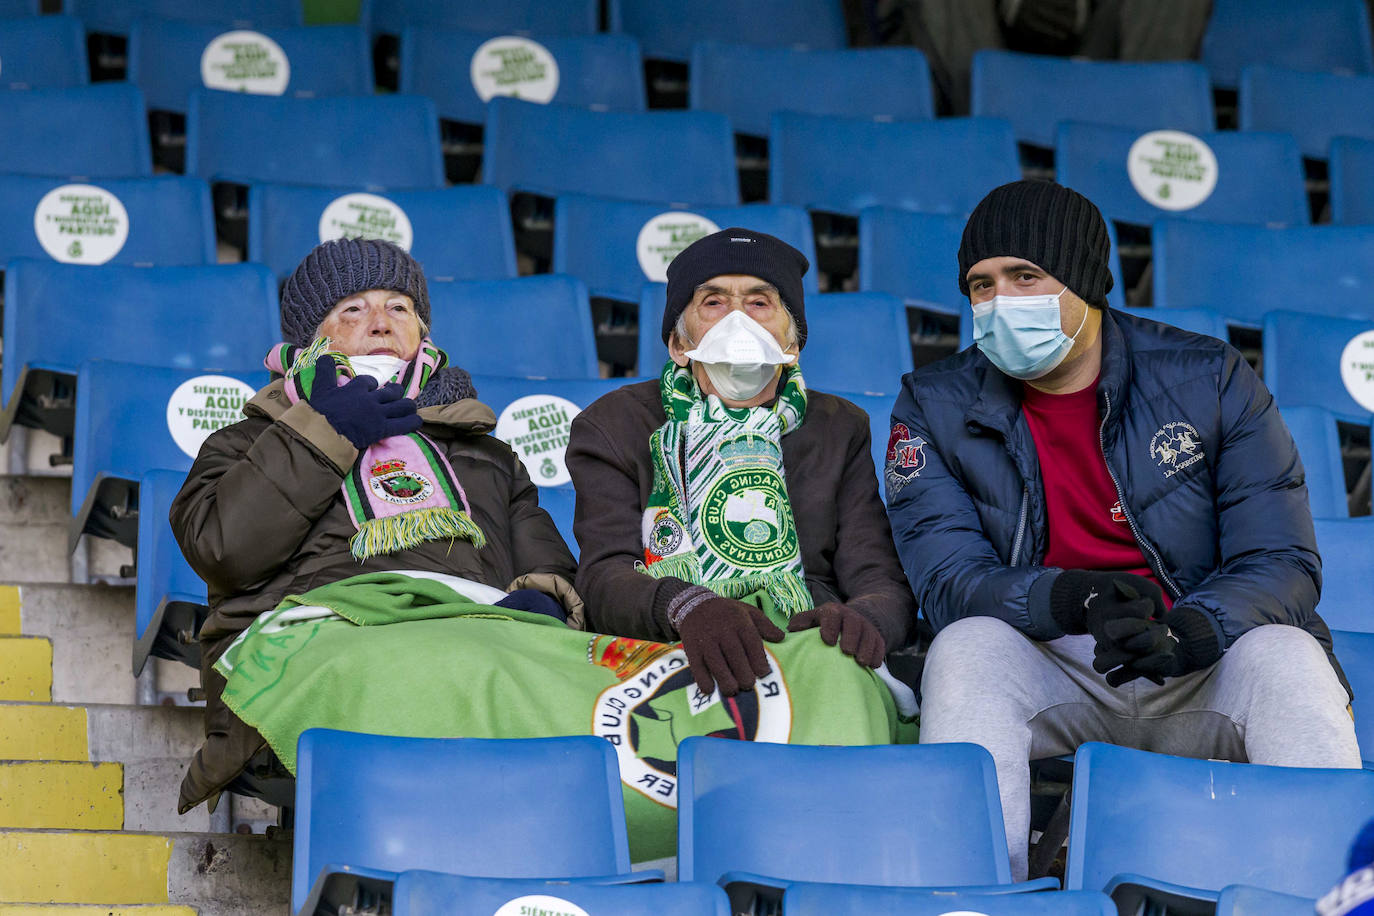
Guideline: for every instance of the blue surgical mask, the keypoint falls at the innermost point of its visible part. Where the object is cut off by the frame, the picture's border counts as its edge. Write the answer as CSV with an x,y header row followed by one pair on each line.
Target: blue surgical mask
x,y
1022,335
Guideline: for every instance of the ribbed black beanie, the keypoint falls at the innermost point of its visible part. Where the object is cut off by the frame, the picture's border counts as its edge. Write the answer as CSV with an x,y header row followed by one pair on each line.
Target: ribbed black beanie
x,y
345,267
737,251
1053,227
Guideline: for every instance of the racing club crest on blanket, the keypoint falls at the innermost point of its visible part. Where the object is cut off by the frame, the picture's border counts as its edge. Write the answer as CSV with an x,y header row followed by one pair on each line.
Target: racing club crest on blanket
x,y
906,456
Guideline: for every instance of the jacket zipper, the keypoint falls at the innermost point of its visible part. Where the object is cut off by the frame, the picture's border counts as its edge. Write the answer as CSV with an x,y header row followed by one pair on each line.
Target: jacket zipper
x,y
1158,564
1020,526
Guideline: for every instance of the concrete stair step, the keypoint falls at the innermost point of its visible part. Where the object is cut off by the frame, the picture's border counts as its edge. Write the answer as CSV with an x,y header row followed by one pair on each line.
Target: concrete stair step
x,y
92,628
35,513
44,909
35,500
119,734
25,668
61,795
40,731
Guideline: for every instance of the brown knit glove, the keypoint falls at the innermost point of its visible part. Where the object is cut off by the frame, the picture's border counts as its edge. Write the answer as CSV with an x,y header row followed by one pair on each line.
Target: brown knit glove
x,y
856,634
723,639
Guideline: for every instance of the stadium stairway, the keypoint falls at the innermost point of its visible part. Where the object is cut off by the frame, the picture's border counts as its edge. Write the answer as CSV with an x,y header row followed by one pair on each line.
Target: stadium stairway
x,y
88,778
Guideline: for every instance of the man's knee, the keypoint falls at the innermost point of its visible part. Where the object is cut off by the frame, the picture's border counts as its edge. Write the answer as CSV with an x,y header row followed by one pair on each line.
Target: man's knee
x,y
973,653
1279,649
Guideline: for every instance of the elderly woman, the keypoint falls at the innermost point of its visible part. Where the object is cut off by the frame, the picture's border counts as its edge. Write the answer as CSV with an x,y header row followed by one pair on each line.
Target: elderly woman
x,y
365,454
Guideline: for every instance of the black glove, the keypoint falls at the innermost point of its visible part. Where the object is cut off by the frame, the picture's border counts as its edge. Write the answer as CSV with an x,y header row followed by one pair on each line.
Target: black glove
x,y
360,411
723,639
534,601
1114,607
856,634
1182,643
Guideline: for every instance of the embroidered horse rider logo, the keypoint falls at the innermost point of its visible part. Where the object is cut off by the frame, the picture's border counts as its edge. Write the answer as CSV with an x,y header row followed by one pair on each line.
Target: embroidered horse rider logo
x,y
906,456
390,481
1176,446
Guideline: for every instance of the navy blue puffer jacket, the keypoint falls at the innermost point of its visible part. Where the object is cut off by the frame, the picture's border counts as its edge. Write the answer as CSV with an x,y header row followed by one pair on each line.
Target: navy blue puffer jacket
x,y
1205,467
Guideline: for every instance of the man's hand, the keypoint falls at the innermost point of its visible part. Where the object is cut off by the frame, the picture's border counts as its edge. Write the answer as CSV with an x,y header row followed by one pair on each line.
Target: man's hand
x,y
723,639
360,411
856,634
1122,612
1159,653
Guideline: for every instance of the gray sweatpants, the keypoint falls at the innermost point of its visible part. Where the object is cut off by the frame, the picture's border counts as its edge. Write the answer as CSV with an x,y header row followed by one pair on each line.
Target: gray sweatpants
x,y
1273,698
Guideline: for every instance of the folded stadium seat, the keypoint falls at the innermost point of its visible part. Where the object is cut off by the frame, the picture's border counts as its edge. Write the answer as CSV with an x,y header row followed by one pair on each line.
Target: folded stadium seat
x,y
1355,650
1347,575
13,9
879,410
42,52
830,899
856,342
1199,321
1285,829
169,599
1244,900
1352,181
560,503
533,326
667,29
1314,107
118,18
1318,440
1245,271
421,893
678,156
1312,35
369,807
652,352
98,131
536,17
1257,177
221,317
164,220
1313,359
740,824
458,233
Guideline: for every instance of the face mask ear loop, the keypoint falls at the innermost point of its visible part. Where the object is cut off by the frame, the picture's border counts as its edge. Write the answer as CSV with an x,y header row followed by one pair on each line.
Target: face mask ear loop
x,y
1074,335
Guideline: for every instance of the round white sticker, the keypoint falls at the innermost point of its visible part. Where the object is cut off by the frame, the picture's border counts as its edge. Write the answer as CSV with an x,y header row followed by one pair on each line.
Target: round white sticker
x,y
536,426
81,224
245,61
202,405
542,904
1357,369
514,66
663,237
366,216
1171,169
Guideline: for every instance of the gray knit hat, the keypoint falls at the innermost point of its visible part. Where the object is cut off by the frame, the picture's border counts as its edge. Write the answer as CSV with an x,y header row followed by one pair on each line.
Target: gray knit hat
x,y
342,268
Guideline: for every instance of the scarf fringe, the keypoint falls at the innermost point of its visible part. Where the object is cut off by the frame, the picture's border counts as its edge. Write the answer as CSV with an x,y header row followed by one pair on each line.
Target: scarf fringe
x,y
410,529
787,589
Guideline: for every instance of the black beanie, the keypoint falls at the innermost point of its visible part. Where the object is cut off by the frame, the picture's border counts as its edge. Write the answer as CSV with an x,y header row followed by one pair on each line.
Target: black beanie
x,y
341,268
743,252
1053,227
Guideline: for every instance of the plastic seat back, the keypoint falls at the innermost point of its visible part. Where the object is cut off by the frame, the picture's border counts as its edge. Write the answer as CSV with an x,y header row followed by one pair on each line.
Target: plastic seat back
x,y
15,9
943,166
423,893
1311,359
829,899
1284,828
538,17
738,811
1199,321
1314,107
856,342
653,352
42,52
1352,181
519,808
667,29
1319,445
1345,545
879,410
748,83
168,595
682,156
459,233
98,131
118,18
1036,92
1243,900
249,138
460,70
1313,35
1355,651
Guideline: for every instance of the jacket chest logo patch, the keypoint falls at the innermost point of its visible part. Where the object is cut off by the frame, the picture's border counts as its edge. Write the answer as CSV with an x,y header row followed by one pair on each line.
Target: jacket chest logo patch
x,y
391,481
1176,446
906,457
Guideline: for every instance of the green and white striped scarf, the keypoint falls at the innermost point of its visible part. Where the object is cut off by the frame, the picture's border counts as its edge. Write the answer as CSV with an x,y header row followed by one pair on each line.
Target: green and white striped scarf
x,y
719,514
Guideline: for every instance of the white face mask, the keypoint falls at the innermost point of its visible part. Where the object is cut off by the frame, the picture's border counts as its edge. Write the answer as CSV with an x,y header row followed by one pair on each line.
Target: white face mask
x,y
740,356
380,366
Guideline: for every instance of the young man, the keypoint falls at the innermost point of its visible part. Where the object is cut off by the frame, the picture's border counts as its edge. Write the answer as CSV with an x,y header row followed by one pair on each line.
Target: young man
x,y
1105,520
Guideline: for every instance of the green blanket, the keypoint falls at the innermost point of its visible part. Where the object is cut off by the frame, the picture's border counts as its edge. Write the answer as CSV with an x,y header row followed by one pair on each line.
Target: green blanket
x,y
335,657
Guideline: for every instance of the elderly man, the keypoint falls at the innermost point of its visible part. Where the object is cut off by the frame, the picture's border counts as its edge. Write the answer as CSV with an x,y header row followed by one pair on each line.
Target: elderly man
x,y
1105,520
725,500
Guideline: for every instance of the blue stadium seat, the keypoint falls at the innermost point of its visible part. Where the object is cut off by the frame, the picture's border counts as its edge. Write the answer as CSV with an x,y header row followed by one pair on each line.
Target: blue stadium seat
x,y
1244,900
221,317
369,807
14,9
168,220
833,899
593,71
1304,357
739,821
538,17
423,893
678,156
1259,176
98,131
1199,321
1312,35
1282,828
1314,107
667,29
462,233
1245,271
118,18
597,239
169,599
321,60
943,166
534,326
856,342
560,503
1036,92
383,140
1352,181
42,52
879,410
653,353
1347,574
1355,651
748,83
1319,445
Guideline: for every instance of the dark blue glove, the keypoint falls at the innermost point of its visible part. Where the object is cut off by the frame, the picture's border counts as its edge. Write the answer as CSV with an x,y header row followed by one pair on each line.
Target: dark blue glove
x,y
536,602
360,411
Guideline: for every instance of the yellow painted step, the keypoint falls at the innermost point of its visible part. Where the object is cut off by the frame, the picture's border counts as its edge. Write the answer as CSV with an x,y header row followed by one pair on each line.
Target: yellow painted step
x,y
25,669
9,610
34,731
41,909
42,866
45,795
